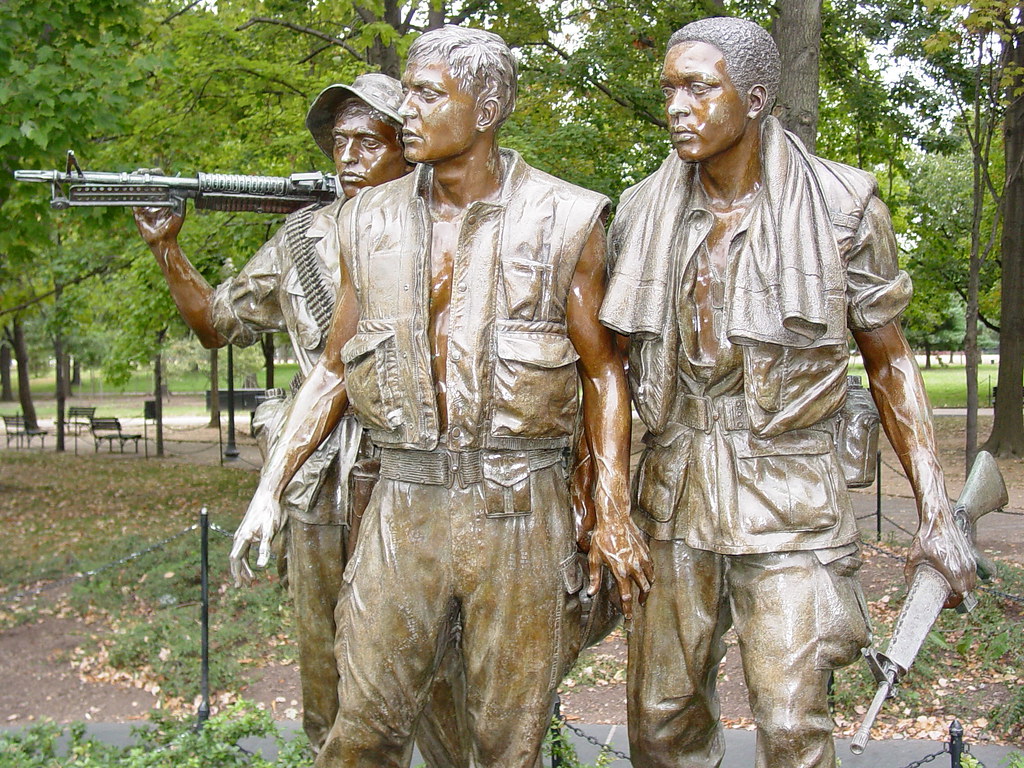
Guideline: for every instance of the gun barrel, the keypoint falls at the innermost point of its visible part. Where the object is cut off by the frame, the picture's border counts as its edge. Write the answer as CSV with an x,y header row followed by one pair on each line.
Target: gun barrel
x,y
864,732
43,176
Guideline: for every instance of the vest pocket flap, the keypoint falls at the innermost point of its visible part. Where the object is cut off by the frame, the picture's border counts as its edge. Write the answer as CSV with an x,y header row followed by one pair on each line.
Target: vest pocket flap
x,y
506,469
363,342
796,442
545,350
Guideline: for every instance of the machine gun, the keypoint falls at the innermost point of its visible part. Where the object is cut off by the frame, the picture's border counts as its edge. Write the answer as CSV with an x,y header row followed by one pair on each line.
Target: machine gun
x,y
983,492
211,191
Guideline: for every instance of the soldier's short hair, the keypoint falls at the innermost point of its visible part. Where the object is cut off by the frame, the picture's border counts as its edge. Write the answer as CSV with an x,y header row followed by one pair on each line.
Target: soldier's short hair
x,y
480,61
751,56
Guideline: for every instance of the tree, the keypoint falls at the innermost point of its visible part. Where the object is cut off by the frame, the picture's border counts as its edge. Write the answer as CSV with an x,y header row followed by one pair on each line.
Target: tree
x,y
797,33
1007,437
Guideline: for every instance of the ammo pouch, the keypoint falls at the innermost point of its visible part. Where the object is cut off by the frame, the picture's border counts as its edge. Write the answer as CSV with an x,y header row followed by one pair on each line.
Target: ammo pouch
x,y
857,435
506,479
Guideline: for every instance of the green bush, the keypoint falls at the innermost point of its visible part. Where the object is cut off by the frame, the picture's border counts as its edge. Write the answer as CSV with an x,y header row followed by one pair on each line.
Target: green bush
x,y
167,743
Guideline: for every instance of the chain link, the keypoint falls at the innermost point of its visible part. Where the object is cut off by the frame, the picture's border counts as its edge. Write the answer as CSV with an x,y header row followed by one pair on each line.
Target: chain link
x,y
590,739
926,759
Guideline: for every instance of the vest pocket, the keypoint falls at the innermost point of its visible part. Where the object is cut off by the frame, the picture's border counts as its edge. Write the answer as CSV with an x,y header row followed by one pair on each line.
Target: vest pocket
x,y
787,483
535,385
371,376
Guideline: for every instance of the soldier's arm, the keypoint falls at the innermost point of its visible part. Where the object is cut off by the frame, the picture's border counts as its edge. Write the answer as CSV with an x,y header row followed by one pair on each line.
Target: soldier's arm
x,y
193,296
616,541
899,393
314,413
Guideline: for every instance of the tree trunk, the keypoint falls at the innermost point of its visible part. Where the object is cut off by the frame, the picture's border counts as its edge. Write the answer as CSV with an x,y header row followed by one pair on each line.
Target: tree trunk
x,y
28,409
215,389
797,33
158,392
927,356
61,386
66,382
76,372
1007,438
6,390
384,57
267,344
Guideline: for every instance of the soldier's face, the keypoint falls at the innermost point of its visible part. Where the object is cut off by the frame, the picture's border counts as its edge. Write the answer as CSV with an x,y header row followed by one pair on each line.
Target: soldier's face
x,y
367,151
706,114
440,116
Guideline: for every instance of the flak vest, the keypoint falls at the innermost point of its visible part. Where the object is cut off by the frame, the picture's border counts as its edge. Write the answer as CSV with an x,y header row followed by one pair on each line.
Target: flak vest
x,y
511,375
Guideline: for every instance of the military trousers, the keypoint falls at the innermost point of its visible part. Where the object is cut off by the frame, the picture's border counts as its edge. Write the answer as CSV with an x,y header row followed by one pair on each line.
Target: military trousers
x,y
430,558
798,615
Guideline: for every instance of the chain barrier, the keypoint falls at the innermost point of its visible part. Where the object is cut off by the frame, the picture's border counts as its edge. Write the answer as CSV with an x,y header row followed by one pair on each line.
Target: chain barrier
x,y
106,567
604,748
926,759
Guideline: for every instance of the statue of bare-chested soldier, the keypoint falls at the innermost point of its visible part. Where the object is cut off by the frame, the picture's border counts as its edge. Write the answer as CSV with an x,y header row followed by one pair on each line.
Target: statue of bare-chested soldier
x,y
740,266
289,285
467,318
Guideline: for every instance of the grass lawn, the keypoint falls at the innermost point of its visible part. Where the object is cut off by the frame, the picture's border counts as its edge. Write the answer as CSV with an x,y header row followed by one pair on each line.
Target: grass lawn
x,y
946,385
142,381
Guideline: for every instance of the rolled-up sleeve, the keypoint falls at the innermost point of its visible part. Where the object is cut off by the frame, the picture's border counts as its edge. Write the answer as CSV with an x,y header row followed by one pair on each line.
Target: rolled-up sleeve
x,y
249,304
877,290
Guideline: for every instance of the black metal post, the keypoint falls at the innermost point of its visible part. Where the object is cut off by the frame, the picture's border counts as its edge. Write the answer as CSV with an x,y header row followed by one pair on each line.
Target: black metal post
x,y
204,618
956,743
878,496
556,735
230,451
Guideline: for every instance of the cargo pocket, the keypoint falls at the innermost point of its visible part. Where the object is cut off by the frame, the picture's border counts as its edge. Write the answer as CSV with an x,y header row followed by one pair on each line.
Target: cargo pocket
x,y
787,483
506,484
535,383
842,616
661,476
371,376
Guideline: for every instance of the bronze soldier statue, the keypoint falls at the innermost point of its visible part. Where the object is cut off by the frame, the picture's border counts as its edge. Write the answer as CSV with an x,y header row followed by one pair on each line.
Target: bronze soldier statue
x,y
290,285
739,267
467,319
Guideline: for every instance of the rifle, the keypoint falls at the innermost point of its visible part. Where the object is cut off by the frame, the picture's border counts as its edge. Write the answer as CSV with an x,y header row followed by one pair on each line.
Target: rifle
x,y
983,492
76,188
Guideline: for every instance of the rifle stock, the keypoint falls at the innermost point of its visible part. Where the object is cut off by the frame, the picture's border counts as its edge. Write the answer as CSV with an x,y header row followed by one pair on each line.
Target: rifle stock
x,y
984,491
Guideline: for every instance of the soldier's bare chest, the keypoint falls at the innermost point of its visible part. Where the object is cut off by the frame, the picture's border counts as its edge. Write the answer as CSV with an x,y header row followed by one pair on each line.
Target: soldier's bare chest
x,y
711,265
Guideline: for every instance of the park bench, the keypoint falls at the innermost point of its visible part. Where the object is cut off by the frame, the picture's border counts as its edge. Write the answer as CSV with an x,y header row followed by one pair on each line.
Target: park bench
x,y
109,429
80,418
15,428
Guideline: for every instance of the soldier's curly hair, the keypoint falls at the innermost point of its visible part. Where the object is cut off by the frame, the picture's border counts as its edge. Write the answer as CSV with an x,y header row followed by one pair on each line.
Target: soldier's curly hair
x,y
479,60
751,56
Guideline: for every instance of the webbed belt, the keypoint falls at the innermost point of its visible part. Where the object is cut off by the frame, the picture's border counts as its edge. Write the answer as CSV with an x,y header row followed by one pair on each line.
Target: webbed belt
x,y
442,466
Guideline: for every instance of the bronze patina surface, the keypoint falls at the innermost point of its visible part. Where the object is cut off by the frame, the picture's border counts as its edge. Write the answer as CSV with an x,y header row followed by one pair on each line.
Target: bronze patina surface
x,y
466,324
289,285
738,269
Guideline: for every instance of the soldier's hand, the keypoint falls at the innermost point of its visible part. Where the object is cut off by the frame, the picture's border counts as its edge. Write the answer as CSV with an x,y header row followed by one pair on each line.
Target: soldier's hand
x,y
941,544
621,547
158,226
262,520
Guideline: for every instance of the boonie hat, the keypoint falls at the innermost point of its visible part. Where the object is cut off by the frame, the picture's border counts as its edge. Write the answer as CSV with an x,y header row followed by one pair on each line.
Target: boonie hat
x,y
379,91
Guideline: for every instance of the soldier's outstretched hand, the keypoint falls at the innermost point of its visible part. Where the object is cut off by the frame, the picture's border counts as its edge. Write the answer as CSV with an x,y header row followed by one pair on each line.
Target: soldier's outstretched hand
x,y
618,544
262,521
